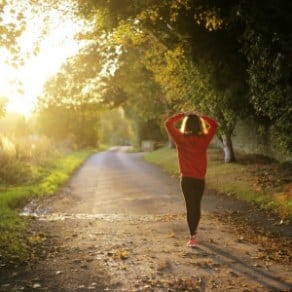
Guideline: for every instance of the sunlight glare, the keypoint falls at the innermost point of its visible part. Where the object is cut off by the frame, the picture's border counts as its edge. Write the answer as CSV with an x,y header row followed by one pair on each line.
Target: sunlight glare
x,y
22,85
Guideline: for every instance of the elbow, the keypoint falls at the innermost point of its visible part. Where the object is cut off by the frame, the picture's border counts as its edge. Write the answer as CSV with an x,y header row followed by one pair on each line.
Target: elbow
x,y
167,124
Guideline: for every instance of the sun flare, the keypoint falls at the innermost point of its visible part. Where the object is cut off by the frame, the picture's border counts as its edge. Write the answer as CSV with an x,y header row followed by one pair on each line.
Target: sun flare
x,y
23,84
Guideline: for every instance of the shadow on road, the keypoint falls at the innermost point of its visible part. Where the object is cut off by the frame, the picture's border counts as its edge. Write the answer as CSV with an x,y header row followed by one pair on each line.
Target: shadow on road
x,y
256,274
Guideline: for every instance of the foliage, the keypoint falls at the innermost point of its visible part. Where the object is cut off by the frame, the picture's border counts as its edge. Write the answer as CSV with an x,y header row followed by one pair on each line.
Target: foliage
x,y
73,127
13,171
219,57
21,152
11,26
191,50
114,128
69,108
76,83
267,45
133,88
21,159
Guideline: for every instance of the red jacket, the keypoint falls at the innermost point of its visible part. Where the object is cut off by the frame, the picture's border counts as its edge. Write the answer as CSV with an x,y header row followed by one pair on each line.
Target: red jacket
x,y
192,150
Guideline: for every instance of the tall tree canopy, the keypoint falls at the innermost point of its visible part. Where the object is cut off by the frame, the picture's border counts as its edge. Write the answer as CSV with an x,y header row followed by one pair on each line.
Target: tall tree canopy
x,y
190,47
223,57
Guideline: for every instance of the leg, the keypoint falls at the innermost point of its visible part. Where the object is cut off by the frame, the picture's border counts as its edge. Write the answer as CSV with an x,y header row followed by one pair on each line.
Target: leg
x,y
193,191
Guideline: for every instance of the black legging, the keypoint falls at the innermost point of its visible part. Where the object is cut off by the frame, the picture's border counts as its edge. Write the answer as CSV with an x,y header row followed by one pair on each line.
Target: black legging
x,y
193,191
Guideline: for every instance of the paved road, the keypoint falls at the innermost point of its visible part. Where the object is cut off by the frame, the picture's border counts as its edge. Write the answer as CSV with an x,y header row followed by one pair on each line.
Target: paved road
x,y
119,225
115,182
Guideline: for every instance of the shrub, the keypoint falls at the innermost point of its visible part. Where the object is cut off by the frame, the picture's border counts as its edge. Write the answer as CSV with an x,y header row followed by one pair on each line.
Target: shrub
x,y
13,171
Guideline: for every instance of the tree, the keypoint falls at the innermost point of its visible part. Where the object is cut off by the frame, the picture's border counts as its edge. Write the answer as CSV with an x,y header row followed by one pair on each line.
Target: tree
x,y
225,57
71,102
267,45
212,77
114,128
12,24
191,50
133,88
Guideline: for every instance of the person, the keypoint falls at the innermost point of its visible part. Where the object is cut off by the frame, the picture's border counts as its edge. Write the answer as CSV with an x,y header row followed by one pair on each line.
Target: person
x,y
191,141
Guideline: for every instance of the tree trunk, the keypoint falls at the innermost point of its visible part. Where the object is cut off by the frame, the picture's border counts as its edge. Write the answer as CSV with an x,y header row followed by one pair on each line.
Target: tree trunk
x,y
228,149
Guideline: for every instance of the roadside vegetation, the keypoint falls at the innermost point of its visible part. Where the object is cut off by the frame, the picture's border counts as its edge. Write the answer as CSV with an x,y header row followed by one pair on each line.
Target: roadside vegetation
x,y
23,179
255,179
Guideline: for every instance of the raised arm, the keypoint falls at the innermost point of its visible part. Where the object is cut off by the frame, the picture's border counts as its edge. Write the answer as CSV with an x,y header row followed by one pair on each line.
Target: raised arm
x,y
170,123
212,126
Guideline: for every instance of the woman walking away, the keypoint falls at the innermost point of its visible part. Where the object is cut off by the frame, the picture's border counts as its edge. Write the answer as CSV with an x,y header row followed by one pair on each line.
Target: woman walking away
x,y
191,141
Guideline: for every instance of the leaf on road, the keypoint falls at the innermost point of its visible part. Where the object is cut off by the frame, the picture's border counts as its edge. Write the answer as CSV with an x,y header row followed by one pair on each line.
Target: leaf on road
x,y
120,254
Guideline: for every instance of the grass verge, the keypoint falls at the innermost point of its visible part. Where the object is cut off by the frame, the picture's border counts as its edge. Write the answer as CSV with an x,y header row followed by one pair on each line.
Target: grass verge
x,y
13,241
254,179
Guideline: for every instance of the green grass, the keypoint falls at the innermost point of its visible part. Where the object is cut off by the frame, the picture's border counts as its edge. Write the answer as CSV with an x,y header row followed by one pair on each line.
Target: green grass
x,y
234,179
166,158
50,178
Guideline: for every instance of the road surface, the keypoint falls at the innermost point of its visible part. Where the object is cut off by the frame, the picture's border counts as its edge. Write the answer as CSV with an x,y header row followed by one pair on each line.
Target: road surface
x,y
119,225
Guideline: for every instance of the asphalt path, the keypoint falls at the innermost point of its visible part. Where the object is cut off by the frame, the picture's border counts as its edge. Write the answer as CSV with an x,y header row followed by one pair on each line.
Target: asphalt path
x,y
119,225
118,182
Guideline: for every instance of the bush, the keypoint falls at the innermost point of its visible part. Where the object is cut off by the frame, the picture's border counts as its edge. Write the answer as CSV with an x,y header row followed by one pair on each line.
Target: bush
x,y
13,171
41,149
22,159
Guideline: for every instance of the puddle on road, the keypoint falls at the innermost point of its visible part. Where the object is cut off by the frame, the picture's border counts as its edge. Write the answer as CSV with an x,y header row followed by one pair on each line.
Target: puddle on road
x,y
103,217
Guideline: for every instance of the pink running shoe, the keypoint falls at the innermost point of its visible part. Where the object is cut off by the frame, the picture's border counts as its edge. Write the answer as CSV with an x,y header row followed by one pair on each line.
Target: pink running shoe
x,y
192,243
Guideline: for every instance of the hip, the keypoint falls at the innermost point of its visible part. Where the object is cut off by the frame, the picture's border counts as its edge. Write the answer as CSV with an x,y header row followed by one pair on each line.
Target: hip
x,y
191,181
